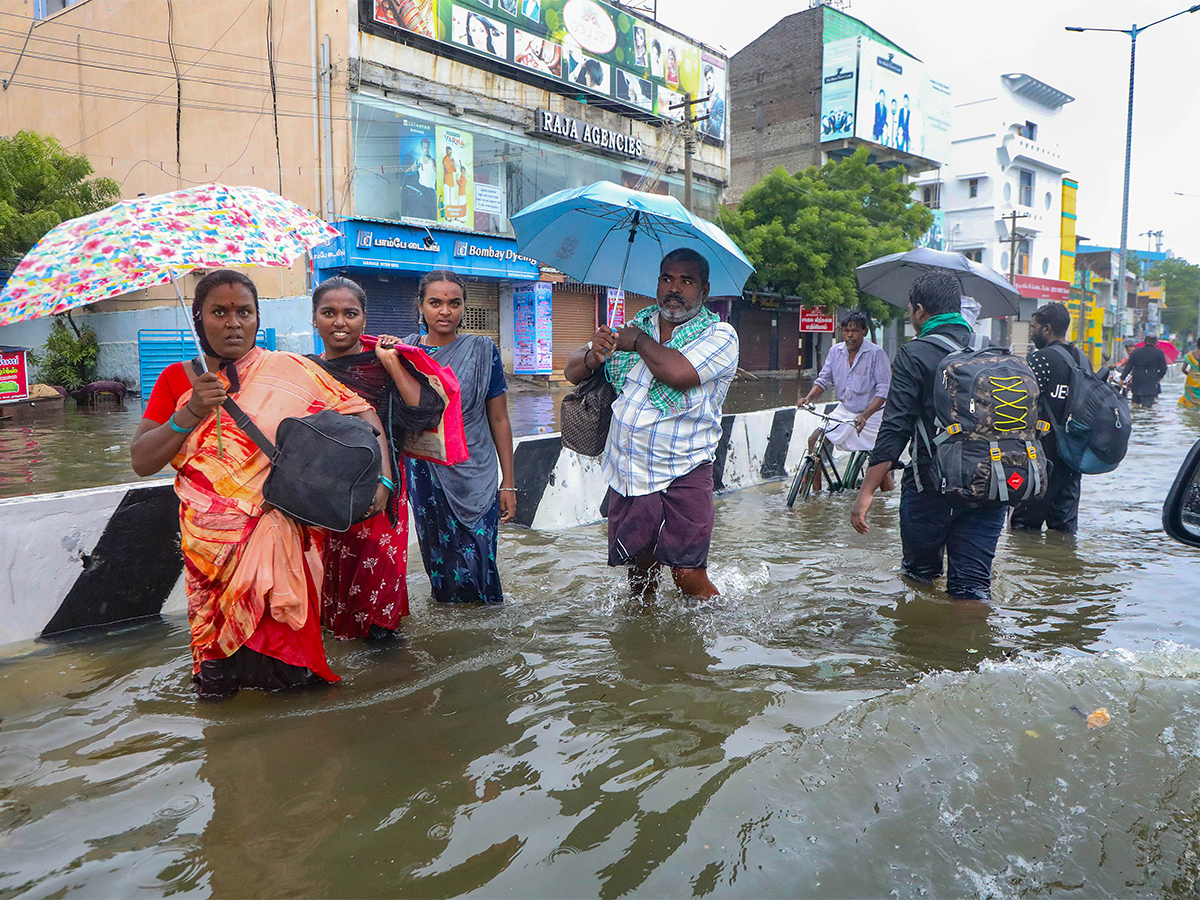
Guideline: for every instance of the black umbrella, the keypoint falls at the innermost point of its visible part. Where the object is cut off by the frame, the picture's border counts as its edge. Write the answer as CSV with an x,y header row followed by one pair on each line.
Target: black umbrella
x,y
890,278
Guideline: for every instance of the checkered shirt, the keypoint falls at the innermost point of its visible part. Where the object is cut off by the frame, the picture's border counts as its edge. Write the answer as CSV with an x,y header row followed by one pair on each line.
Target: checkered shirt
x,y
647,448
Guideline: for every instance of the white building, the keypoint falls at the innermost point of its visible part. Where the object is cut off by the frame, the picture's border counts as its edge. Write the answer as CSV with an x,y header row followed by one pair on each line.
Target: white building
x,y
1005,159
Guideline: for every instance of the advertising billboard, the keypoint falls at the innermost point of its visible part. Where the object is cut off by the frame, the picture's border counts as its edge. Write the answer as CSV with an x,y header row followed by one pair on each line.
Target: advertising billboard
x,y
532,334
899,104
456,186
839,81
587,44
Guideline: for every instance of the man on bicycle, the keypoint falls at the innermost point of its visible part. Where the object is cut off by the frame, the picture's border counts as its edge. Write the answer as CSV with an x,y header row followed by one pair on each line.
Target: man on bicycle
x,y
859,371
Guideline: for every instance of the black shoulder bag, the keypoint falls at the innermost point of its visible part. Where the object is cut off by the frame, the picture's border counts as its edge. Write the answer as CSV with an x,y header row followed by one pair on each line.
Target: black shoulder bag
x,y
325,467
586,414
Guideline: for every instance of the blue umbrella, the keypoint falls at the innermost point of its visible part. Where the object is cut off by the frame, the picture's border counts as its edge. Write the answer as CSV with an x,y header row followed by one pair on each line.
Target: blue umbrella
x,y
610,235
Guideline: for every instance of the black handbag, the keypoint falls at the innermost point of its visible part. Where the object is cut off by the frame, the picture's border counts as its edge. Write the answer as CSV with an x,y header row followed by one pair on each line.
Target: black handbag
x,y
586,414
325,467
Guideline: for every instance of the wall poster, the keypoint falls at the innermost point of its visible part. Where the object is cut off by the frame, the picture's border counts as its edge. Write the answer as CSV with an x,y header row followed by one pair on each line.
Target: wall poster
x,y
532,335
456,166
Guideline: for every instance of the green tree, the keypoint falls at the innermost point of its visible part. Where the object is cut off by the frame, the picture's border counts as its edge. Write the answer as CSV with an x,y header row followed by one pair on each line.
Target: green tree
x,y
806,233
68,360
1181,291
41,185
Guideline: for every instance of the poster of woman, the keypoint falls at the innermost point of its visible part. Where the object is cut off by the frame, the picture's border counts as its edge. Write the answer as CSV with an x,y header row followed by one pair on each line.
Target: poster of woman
x,y
478,32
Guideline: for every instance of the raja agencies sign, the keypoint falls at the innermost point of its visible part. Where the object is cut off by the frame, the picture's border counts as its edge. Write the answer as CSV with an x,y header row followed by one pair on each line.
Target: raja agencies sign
x,y
594,137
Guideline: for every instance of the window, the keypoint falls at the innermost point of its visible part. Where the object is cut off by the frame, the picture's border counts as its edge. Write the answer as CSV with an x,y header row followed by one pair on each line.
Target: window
x,y
973,187
932,196
506,170
1025,194
43,9
975,255
1022,256
1028,131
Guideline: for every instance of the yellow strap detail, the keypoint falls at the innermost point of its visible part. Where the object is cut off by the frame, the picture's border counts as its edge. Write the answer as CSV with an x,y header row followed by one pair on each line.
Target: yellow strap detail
x,y
996,454
1017,399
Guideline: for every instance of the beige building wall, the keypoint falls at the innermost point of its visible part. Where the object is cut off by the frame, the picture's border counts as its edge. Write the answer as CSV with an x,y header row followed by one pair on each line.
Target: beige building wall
x,y
168,94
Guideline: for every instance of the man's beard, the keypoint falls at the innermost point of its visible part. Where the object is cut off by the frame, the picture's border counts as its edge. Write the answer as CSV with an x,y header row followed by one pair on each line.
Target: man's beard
x,y
1040,341
684,315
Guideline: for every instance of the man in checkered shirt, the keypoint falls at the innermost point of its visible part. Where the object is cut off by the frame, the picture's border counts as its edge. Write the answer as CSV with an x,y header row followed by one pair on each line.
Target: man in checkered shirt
x,y
671,367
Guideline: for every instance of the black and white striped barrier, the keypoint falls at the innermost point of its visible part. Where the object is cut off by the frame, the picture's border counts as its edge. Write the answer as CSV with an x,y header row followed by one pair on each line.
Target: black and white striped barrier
x,y
87,558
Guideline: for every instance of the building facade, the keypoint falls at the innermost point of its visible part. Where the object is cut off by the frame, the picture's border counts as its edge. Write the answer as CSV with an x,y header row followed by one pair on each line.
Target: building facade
x,y
1003,194
417,128
816,86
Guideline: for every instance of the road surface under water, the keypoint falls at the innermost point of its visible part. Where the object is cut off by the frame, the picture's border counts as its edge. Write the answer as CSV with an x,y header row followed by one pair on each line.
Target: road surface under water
x,y
823,730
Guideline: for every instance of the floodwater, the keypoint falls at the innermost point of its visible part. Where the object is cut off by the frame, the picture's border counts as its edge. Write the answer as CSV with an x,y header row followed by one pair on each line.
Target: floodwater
x,y
823,730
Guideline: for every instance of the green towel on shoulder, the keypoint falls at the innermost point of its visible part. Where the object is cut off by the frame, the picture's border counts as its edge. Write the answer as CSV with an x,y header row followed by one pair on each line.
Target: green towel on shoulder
x,y
620,362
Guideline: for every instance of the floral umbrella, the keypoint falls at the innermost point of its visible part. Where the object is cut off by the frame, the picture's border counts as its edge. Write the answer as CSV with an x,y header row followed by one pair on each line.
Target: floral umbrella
x,y
140,243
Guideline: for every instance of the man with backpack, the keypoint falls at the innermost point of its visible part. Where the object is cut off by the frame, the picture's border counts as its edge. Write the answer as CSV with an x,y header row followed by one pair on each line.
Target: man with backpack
x,y
1052,363
969,411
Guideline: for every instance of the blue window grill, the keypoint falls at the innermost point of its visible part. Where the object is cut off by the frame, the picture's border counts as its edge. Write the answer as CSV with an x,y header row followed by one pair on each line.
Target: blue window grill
x,y
159,347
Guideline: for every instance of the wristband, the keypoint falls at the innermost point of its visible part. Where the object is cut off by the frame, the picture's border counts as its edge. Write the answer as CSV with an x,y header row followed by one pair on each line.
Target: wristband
x,y
177,429
514,490
387,483
640,334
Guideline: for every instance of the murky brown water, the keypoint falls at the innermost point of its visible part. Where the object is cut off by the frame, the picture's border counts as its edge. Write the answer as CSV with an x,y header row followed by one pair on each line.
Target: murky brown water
x,y
823,730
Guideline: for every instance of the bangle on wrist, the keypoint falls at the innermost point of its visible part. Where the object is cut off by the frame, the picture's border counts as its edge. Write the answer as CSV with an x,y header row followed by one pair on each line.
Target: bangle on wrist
x,y
637,337
514,490
178,429
387,483
585,362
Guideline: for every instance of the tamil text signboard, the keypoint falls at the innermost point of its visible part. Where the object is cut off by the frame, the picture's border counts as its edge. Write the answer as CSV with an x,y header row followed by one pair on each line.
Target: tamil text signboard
x,y
818,320
1042,288
14,378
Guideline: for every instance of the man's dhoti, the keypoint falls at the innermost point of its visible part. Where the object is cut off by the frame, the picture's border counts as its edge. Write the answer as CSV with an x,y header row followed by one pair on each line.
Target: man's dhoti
x,y
843,434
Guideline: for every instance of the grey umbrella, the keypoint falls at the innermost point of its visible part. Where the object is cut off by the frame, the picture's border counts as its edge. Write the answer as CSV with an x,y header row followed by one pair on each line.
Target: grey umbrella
x,y
890,277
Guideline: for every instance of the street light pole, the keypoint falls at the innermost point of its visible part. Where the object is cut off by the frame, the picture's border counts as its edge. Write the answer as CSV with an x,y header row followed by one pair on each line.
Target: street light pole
x,y
1133,31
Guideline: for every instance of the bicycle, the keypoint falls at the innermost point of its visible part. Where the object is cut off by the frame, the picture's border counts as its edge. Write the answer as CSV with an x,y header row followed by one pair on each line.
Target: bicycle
x,y
822,455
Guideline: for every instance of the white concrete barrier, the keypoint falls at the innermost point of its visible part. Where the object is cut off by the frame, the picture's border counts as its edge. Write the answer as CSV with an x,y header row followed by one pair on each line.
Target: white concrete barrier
x,y
80,559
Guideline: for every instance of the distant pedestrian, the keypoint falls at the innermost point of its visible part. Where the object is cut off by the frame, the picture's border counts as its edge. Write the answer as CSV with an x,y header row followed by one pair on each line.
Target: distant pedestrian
x,y
932,525
1144,370
858,371
1058,509
1191,369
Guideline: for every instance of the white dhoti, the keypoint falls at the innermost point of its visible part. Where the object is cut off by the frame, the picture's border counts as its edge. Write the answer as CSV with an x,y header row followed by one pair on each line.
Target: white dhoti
x,y
843,434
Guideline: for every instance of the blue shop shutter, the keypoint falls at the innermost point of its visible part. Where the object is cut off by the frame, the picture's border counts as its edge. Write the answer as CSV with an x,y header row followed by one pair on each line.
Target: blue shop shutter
x,y
160,347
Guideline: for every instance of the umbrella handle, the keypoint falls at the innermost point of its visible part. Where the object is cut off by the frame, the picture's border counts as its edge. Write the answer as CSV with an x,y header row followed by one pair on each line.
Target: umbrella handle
x,y
633,227
191,324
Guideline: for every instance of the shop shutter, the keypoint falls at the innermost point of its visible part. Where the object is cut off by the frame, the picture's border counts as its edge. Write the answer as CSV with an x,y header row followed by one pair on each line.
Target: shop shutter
x,y
574,323
754,339
482,315
789,341
391,304
635,303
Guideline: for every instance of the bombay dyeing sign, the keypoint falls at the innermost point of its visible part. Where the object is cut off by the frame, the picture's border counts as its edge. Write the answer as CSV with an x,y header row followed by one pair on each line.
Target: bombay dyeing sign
x,y
575,131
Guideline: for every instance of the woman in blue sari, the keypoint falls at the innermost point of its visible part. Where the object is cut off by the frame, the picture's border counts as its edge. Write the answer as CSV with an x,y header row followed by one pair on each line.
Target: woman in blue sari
x,y
458,509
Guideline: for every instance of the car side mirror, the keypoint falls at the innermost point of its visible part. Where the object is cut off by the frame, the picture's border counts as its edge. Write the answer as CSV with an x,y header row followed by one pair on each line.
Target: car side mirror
x,y
1181,510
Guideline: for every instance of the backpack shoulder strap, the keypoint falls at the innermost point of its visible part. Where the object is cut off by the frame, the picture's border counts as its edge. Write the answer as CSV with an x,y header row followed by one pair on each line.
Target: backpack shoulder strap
x,y
941,340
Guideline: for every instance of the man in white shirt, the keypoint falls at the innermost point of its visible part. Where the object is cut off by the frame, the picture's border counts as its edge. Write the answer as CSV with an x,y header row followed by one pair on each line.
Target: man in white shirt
x,y
671,367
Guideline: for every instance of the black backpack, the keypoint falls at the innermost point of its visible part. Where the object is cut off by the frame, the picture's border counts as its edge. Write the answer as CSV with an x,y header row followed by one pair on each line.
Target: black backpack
x,y
1094,435
985,406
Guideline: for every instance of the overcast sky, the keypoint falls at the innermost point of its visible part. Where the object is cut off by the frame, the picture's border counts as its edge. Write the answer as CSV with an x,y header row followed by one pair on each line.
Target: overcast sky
x,y
973,44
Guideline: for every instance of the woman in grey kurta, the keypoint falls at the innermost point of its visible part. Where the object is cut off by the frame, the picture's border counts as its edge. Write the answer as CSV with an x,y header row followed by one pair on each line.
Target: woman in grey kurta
x,y
458,509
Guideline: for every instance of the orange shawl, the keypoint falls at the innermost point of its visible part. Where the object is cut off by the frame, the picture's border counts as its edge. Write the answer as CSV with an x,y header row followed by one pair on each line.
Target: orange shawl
x,y
239,559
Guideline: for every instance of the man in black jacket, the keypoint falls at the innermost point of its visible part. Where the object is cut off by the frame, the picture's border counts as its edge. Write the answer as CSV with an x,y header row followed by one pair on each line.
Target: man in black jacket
x,y
931,524
1059,508
1147,365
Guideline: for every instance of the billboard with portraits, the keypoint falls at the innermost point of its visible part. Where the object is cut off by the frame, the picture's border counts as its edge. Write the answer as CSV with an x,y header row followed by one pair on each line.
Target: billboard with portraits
x,y
590,45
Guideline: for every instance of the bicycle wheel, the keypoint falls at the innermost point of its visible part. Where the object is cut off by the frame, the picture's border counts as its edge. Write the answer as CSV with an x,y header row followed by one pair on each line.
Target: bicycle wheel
x,y
855,470
802,483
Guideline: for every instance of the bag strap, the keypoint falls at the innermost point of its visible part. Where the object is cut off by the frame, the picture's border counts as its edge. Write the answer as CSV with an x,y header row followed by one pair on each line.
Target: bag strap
x,y
243,421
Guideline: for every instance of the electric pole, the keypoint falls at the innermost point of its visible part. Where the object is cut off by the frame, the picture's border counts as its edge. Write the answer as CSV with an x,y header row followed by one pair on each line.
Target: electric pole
x,y
1011,218
689,142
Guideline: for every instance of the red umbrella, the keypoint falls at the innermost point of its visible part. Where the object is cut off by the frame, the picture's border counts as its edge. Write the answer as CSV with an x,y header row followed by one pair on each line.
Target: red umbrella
x,y
1167,348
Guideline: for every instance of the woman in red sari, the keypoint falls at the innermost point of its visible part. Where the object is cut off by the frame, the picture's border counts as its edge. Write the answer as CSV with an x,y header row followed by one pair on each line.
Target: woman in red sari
x,y
252,574
365,593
